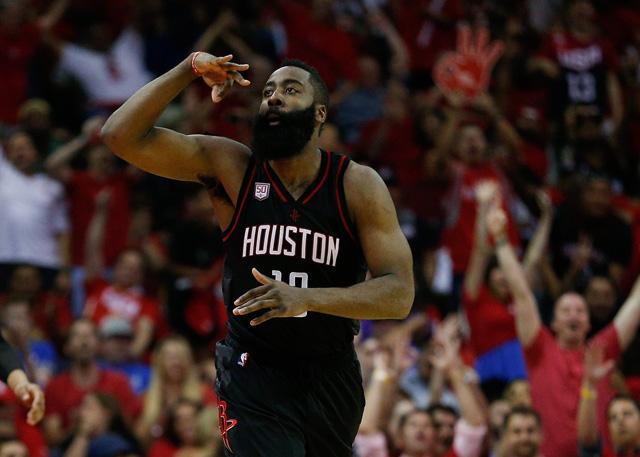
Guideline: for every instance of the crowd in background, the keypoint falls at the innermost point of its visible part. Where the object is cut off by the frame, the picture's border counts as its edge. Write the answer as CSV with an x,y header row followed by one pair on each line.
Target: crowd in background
x,y
520,206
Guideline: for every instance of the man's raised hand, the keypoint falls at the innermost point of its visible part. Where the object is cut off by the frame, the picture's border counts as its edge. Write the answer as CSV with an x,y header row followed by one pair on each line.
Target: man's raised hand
x,y
219,73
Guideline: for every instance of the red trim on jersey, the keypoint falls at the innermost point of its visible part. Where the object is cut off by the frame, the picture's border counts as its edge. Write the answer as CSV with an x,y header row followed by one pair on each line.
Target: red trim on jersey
x,y
236,214
342,218
273,182
320,184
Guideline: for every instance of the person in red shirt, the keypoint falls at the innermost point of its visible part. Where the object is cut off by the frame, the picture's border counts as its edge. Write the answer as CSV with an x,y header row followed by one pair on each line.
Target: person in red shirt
x,y
556,362
486,299
83,186
124,297
66,391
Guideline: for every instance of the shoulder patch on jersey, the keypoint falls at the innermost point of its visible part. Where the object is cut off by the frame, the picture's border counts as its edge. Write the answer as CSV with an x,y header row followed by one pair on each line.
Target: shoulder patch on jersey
x,y
261,190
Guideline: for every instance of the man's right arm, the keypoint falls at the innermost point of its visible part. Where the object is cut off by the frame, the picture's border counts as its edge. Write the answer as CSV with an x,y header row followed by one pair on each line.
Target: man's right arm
x,y
527,318
131,134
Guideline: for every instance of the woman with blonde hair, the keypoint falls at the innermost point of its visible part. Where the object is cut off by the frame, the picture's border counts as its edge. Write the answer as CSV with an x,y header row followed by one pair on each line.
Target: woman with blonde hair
x,y
174,376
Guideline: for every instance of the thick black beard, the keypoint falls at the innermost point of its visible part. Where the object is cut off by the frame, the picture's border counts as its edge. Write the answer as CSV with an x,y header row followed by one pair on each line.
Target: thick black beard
x,y
286,139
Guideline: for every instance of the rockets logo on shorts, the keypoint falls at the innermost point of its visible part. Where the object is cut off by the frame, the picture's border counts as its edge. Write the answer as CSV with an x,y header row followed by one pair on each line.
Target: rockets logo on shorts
x,y
261,190
226,424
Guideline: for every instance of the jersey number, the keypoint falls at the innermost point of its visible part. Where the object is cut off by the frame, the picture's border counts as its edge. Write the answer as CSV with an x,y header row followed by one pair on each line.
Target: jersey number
x,y
295,277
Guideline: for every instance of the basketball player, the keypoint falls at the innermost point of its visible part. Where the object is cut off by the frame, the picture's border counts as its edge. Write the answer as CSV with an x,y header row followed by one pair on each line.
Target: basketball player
x,y
28,394
300,228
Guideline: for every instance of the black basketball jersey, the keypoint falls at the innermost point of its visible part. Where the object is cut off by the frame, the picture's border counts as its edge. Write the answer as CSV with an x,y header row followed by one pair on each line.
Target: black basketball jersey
x,y
308,242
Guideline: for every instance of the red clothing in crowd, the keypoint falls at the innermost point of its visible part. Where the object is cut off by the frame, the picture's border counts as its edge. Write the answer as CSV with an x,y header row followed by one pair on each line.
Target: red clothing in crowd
x,y
30,435
555,375
82,189
104,300
490,320
64,396
162,448
321,44
427,38
459,236
16,51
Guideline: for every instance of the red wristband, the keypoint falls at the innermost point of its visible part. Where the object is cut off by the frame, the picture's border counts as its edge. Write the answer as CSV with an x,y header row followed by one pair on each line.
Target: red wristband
x,y
193,63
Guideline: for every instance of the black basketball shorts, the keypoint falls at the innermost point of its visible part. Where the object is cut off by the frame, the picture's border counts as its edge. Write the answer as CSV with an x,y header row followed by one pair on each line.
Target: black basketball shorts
x,y
293,408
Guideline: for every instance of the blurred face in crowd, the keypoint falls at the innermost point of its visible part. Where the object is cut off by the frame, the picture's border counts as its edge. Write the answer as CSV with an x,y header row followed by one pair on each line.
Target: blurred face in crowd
x,y
571,320
519,393
472,144
186,423
498,284
288,115
175,360
82,344
522,436
581,15
91,410
14,448
417,436
444,423
624,424
369,72
601,297
116,348
395,101
101,160
128,270
25,281
596,198
21,152
16,318
498,410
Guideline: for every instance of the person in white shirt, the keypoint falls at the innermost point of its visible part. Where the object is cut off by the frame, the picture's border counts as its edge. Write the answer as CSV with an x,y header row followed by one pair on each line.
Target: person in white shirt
x,y
33,221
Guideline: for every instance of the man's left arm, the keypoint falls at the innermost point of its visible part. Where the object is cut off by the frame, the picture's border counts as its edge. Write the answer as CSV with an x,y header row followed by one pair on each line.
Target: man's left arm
x,y
627,319
387,295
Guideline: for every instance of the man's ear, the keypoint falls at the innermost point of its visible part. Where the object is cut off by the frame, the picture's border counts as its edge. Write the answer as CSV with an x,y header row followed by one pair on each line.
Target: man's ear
x,y
321,114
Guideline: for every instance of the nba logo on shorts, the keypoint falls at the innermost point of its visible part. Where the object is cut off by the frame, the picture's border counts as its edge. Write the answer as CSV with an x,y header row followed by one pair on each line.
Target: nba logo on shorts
x,y
243,359
261,190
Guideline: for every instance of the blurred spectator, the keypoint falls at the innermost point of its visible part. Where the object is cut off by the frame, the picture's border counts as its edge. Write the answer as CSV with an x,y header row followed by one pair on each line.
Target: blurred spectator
x,y
522,434
314,37
116,339
195,306
364,102
518,393
109,69
14,427
50,310
583,64
37,354
174,376
124,297
428,27
601,296
487,300
66,391
33,226
555,363
20,35
588,238
83,186
622,413
14,448
101,430
183,435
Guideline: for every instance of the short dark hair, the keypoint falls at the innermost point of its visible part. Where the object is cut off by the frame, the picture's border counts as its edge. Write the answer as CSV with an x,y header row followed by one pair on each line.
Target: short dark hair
x,y
320,90
405,417
439,407
622,397
522,411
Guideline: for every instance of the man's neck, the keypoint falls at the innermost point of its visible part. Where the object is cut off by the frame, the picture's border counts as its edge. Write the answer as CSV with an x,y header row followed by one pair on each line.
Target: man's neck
x,y
85,374
570,344
300,169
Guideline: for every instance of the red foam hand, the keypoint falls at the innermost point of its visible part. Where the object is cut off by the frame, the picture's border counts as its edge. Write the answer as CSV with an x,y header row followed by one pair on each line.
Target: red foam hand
x,y
467,70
